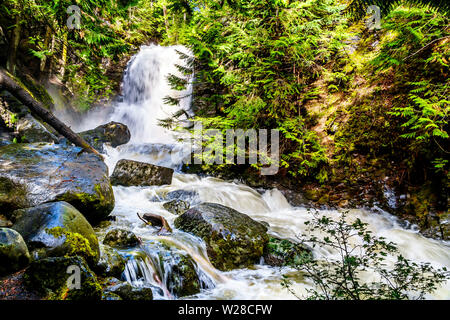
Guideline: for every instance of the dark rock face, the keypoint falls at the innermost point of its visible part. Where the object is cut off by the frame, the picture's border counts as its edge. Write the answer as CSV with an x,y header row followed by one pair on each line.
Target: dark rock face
x,y
57,229
233,239
14,253
121,238
50,277
281,252
113,133
32,174
134,173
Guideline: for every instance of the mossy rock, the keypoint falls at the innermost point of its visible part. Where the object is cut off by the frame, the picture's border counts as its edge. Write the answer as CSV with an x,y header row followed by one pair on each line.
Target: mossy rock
x,y
176,206
130,293
57,229
121,238
113,134
42,172
31,130
12,196
233,239
175,267
50,277
14,253
282,252
181,270
111,263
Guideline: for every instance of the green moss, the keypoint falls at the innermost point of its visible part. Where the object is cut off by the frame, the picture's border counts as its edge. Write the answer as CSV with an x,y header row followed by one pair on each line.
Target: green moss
x,y
75,244
49,277
281,252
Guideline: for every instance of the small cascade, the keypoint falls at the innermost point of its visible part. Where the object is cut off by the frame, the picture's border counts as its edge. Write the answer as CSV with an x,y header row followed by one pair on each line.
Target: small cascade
x,y
158,267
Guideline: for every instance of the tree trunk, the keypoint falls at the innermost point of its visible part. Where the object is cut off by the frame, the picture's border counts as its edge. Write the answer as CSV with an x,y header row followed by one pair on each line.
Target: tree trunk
x,y
166,21
9,84
48,35
64,57
14,44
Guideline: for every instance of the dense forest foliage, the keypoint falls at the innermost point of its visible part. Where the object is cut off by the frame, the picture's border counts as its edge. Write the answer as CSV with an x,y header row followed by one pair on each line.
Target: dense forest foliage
x,y
353,103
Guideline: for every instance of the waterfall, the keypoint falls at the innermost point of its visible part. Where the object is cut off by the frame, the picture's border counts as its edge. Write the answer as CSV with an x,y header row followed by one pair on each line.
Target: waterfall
x,y
144,88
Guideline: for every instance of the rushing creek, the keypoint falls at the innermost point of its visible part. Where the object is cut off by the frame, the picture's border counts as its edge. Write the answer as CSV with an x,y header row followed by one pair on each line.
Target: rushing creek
x,y
144,87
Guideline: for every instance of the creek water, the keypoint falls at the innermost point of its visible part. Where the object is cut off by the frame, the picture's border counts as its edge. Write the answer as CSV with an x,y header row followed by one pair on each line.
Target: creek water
x,y
144,87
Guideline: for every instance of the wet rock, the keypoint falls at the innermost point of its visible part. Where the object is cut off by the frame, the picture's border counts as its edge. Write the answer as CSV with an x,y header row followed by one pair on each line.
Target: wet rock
x,y
14,253
129,293
134,173
190,196
111,263
233,239
176,206
182,279
113,134
30,130
121,238
175,267
57,229
295,199
50,277
185,195
42,172
282,252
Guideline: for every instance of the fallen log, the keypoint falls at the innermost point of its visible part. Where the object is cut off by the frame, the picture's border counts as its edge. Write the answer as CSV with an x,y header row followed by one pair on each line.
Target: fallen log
x,y
156,221
9,84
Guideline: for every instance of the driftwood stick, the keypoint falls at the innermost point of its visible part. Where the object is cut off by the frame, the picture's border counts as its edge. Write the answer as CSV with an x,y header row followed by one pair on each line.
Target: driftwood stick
x,y
9,84
156,221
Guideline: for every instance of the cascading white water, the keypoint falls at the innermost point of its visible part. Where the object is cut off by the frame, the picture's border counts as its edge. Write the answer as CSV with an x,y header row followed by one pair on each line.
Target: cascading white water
x,y
144,87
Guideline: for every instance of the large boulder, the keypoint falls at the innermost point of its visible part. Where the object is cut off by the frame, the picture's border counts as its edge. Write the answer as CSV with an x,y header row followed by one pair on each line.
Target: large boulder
x,y
135,173
233,239
31,174
53,277
14,253
113,134
57,229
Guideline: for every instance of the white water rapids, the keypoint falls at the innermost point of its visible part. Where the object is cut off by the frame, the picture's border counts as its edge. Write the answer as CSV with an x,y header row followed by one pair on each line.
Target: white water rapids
x,y
144,88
